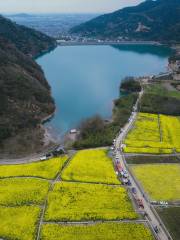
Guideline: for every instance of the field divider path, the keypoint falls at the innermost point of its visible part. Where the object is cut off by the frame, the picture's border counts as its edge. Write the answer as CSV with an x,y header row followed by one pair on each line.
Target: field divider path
x,y
64,167
26,177
160,129
96,183
91,222
44,206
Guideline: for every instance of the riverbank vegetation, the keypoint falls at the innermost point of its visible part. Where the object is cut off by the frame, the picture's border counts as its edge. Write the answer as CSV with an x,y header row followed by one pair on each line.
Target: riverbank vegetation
x,y
95,132
129,85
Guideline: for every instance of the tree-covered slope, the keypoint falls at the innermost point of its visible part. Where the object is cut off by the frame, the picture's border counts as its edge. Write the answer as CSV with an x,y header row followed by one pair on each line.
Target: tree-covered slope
x,y
24,92
27,40
151,20
25,96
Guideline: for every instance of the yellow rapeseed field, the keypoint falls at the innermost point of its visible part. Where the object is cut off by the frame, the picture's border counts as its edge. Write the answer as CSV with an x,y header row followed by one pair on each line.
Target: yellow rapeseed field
x,y
103,231
45,169
161,182
82,201
19,222
91,166
154,133
17,191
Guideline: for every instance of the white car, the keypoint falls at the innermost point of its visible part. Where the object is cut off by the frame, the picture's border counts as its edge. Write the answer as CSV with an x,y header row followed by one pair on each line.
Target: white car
x,y
43,158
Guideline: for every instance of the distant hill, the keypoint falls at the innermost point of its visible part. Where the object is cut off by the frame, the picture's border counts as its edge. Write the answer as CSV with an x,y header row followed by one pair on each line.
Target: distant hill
x,y
27,40
151,20
25,97
52,24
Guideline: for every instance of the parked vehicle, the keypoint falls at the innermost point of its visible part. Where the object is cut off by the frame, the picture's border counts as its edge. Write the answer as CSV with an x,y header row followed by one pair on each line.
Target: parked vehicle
x,y
119,167
134,191
125,180
49,155
156,229
140,203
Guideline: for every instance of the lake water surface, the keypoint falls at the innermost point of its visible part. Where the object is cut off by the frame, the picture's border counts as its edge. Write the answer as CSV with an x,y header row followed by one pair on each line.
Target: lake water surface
x,y
85,79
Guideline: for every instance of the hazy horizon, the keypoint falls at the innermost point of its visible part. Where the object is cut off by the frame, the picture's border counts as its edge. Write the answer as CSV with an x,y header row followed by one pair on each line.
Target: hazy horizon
x,y
64,6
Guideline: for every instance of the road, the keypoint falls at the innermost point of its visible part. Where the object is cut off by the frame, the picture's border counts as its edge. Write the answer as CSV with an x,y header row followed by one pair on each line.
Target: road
x,y
152,217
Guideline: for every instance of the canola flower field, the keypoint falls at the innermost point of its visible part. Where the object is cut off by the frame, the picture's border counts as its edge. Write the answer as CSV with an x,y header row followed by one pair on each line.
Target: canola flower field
x,y
103,231
22,192
152,133
24,189
160,182
19,222
44,169
19,191
82,202
91,166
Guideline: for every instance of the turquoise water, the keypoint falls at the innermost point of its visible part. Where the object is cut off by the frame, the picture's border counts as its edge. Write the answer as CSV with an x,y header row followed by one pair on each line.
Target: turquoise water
x,y
85,79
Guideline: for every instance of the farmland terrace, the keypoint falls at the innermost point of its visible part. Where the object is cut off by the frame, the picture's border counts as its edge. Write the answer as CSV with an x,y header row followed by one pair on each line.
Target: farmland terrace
x,y
38,200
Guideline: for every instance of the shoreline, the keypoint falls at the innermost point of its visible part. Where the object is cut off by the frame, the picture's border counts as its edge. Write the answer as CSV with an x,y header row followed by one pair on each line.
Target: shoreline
x,y
105,43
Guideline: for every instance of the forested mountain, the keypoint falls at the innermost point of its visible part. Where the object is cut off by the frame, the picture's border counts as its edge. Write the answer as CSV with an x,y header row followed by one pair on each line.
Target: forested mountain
x,y
151,20
27,40
25,97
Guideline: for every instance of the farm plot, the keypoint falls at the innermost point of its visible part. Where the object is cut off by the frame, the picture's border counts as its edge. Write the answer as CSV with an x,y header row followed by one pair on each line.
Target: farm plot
x,y
161,182
19,222
154,133
17,191
82,201
91,166
171,218
105,231
45,169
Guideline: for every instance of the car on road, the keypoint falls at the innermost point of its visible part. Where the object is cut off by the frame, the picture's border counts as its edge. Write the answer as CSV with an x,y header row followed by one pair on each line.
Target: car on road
x,y
156,229
140,203
134,191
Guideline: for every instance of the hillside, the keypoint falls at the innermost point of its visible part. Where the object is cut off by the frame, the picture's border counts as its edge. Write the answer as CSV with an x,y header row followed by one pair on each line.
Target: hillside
x,y
25,96
27,40
151,20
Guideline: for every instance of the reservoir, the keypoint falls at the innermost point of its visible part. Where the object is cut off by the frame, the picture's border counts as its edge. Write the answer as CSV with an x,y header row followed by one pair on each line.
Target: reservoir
x,y
85,79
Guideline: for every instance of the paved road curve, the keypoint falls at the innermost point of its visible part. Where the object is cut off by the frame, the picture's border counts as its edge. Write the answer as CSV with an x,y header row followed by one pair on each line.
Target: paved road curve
x,y
152,218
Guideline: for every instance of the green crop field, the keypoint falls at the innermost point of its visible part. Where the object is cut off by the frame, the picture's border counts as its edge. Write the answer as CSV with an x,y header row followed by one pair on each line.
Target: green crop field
x,y
154,133
91,166
171,219
19,222
45,169
105,231
22,191
82,201
161,182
